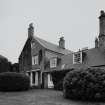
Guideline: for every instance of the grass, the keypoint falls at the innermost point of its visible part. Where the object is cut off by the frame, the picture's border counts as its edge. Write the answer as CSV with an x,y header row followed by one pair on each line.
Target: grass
x,y
38,97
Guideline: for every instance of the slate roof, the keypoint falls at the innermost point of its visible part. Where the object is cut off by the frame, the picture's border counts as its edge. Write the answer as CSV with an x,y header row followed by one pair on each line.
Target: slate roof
x,y
94,58
52,47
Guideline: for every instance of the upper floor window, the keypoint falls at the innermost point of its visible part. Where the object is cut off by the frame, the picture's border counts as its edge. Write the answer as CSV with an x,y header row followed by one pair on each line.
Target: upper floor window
x,y
77,57
53,62
32,44
35,60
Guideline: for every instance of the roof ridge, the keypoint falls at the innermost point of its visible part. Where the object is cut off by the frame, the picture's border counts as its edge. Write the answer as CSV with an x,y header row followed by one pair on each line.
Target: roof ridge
x,y
46,41
51,43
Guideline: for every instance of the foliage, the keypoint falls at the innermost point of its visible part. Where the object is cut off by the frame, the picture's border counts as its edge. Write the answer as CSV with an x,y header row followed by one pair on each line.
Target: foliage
x,y
46,63
4,64
57,78
15,67
11,81
40,56
85,84
7,66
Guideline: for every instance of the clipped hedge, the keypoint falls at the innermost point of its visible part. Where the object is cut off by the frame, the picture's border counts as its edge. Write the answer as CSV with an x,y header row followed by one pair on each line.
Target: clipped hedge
x,y
57,78
11,81
85,84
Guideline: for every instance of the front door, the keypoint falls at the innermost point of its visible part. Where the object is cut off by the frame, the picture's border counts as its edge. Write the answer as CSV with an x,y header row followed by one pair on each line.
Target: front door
x,y
50,82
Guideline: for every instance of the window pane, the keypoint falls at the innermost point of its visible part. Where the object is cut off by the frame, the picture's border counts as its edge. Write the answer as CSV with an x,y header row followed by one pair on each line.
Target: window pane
x,y
77,57
34,60
53,62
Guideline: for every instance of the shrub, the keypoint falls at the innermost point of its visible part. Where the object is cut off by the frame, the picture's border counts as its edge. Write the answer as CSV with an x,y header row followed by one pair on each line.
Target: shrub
x,y
57,78
5,65
85,84
11,81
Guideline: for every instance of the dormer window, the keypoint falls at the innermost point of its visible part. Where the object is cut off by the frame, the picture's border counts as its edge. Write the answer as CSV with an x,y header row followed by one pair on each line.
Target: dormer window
x,y
34,59
53,62
77,57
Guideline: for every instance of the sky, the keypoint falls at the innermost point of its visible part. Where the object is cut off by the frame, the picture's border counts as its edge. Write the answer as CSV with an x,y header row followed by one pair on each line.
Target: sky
x,y
76,20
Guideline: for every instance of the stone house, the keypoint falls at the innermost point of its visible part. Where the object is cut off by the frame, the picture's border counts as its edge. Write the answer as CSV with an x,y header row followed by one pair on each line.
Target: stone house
x,y
39,57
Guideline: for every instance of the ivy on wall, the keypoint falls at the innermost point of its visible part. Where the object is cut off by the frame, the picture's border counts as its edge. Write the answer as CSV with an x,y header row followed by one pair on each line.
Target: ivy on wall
x,y
57,78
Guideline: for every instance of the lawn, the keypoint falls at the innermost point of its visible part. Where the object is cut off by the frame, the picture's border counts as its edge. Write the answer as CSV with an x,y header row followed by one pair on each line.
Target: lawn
x,y
38,97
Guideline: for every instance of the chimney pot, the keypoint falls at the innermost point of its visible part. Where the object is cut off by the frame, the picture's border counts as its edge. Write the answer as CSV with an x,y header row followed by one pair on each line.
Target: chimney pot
x,y
62,43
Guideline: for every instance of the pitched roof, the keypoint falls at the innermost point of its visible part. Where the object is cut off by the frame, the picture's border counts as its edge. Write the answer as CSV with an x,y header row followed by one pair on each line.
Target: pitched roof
x,y
52,47
94,58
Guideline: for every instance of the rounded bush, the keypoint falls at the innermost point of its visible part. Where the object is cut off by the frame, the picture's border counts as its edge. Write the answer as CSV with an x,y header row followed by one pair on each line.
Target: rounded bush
x,y
11,81
85,84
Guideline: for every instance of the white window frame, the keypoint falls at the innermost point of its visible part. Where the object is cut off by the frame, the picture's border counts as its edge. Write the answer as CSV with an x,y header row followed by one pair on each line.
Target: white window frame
x,y
79,56
53,62
35,59
32,44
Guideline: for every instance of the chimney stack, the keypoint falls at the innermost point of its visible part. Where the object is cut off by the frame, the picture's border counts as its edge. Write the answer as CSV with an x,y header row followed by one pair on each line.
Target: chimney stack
x,y
62,43
102,23
101,36
30,30
96,42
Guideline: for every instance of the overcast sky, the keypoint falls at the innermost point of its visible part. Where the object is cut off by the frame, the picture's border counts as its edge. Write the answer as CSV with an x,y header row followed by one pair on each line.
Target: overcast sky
x,y
76,20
